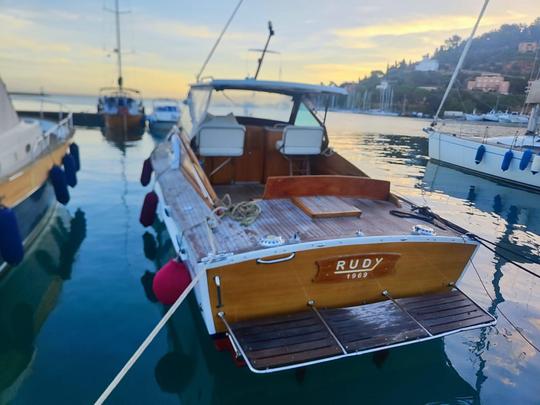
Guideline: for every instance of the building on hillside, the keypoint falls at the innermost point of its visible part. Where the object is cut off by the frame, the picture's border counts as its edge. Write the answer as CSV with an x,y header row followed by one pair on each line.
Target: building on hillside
x,y
489,82
427,65
526,47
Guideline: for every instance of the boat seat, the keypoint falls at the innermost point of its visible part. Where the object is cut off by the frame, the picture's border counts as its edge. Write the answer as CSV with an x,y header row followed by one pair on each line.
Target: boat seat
x,y
221,136
299,140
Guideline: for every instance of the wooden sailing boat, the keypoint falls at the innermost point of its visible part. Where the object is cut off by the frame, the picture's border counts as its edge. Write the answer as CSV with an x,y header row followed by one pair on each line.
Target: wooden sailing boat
x,y
326,262
121,107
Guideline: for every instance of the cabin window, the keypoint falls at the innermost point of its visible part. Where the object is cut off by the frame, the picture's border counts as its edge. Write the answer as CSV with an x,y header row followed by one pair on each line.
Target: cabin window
x,y
247,103
305,117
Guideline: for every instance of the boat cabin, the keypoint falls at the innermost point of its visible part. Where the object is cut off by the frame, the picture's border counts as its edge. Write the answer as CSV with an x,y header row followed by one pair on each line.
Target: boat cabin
x,y
246,131
113,100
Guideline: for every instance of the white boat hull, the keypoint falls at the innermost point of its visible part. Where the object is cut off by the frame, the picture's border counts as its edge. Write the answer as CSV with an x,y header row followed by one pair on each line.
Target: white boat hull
x,y
461,152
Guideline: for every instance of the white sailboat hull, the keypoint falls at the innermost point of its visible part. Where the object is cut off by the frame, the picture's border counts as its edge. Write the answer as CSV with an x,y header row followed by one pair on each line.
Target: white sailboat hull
x,y
461,152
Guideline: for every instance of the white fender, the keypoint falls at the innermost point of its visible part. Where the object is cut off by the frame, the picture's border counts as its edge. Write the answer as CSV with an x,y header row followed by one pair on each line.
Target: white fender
x,y
535,165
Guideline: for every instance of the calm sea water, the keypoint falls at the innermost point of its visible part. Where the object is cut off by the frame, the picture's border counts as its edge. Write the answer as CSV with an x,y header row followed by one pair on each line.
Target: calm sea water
x,y
76,309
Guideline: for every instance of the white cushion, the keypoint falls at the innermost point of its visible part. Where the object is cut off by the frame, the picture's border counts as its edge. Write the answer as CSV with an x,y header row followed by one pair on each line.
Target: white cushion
x,y
221,136
299,140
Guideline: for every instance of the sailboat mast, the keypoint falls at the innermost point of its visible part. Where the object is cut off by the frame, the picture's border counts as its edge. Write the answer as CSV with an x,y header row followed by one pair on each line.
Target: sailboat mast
x,y
118,44
460,62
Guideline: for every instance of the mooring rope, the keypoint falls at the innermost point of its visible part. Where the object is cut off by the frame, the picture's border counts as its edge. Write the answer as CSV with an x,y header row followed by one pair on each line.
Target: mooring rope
x,y
144,345
427,215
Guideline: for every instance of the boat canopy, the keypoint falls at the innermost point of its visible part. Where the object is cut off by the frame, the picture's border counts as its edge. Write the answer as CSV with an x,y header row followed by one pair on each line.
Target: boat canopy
x,y
533,97
8,116
271,86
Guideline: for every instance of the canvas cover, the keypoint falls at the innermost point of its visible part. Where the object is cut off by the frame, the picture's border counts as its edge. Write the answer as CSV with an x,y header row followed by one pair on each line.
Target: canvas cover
x,y
534,93
8,116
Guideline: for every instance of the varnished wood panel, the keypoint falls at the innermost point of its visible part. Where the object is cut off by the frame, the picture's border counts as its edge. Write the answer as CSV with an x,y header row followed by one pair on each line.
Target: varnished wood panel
x,y
30,178
296,186
275,164
261,159
249,167
250,290
326,207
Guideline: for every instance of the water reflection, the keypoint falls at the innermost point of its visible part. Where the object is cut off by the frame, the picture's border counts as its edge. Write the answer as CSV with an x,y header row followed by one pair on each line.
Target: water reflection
x,y
29,292
158,249
516,210
122,140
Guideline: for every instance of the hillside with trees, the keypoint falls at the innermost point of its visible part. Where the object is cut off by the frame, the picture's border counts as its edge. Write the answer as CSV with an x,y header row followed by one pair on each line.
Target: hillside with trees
x,y
421,91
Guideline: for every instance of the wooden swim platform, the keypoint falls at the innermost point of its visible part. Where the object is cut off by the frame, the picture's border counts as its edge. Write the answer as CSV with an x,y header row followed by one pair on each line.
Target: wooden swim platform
x,y
317,335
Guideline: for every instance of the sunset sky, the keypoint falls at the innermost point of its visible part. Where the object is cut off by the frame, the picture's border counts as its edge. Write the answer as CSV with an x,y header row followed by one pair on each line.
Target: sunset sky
x,y
65,46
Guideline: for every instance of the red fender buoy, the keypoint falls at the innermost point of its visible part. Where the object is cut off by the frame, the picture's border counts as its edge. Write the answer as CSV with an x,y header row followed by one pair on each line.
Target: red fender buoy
x,y
148,211
146,173
171,281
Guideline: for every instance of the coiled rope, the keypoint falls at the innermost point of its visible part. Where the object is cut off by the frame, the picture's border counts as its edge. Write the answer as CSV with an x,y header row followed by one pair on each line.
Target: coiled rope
x,y
245,212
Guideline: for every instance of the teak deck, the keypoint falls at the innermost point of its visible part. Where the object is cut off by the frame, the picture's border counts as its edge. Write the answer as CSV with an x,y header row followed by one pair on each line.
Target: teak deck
x,y
279,216
308,337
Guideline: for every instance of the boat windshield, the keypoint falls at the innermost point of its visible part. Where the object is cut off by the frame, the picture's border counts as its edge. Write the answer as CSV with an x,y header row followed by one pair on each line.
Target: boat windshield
x,y
246,103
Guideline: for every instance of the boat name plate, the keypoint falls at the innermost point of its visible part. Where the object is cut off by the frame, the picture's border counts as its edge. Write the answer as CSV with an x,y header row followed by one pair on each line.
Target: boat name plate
x,y
356,267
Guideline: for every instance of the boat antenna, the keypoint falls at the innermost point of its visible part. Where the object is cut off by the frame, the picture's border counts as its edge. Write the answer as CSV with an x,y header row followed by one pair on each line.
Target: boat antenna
x,y
460,63
270,35
218,40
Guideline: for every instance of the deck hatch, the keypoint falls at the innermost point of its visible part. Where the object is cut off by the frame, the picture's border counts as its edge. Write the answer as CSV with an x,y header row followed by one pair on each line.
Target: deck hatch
x,y
317,335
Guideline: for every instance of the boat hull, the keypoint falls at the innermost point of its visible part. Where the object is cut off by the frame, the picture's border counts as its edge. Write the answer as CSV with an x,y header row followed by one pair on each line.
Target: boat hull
x,y
461,152
30,195
32,214
333,277
120,126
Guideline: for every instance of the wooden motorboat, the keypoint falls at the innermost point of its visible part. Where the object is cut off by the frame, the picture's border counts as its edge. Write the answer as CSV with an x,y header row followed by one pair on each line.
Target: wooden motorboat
x,y
29,151
302,258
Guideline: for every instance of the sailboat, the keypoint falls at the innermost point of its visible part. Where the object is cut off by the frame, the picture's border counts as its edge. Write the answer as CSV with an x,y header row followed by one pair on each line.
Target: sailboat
x,y
122,108
514,159
37,163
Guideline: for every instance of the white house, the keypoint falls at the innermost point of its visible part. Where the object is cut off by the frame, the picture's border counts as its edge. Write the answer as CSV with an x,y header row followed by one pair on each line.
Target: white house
x,y
427,65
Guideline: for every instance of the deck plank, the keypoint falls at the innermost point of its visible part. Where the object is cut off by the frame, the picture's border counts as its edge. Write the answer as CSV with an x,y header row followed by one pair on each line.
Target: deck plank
x,y
292,339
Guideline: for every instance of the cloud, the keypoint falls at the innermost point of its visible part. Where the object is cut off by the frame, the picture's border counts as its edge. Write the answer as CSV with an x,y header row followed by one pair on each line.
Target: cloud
x,y
443,23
